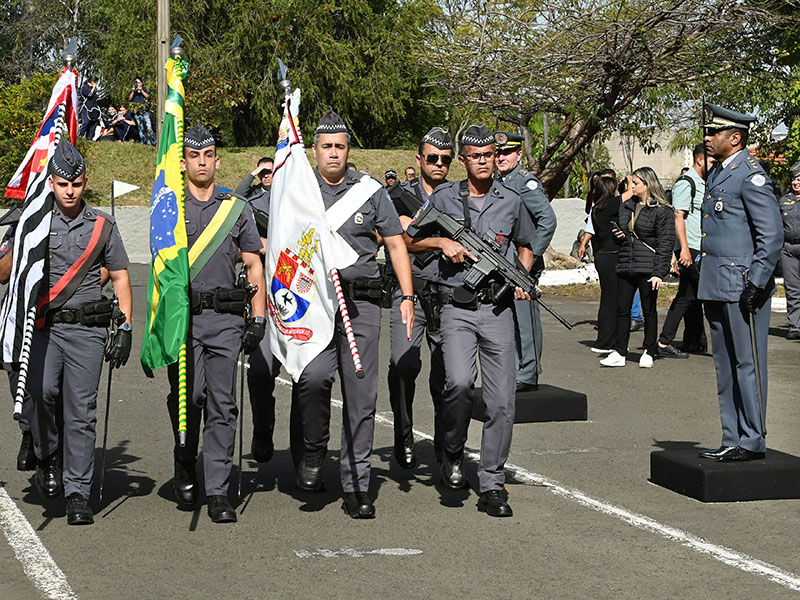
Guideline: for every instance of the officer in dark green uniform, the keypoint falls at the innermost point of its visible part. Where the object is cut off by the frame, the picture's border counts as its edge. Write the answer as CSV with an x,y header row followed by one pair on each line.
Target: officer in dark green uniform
x,y
508,148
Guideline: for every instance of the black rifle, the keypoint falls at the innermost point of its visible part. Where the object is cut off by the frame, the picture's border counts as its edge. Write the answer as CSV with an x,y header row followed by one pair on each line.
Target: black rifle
x,y
489,260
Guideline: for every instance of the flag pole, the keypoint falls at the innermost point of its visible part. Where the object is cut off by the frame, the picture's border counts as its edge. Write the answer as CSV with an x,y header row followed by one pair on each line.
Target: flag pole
x,y
30,318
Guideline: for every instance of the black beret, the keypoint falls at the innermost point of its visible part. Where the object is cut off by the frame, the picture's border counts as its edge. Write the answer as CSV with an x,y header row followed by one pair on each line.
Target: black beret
x,y
66,161
506,140
331,123
477,135
438,138
198,137
718,117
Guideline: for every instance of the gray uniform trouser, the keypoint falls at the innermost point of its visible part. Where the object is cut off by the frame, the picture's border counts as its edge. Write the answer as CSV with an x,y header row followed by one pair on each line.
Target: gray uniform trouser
x,y
528,349
490,330
264,368
790,267
736,378
65,364
405,364
212,353
311,397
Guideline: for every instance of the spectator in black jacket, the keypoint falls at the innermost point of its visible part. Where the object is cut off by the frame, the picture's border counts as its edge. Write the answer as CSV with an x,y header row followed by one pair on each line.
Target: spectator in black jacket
x,y
646,227
605,246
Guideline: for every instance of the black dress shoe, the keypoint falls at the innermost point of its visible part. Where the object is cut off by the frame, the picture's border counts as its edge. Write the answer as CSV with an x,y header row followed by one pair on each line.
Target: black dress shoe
x,y
693,348
309,473
26,459
636,325
793,335
185,484
78,510
739,454
452,472
670,351
493,504
526,387
48,477
262,448
716,453
358,505
405,453
220,510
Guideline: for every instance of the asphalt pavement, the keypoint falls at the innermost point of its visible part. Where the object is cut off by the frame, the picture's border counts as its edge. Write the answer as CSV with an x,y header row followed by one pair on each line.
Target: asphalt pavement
x,y
587,523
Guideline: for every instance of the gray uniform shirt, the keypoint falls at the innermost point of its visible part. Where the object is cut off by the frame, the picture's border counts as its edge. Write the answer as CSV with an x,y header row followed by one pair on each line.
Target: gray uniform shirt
x,y
528,186
430,271
68,240
220,270
502,212
255,194
790,213
377,213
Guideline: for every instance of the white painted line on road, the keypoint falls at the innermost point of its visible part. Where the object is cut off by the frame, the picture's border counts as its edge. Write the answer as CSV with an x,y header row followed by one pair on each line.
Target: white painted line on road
x,y
36,561
554,452
725,555
352,553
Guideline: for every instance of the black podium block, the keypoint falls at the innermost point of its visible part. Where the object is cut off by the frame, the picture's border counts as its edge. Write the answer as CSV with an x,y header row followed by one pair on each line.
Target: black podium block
x,y
548,403
682,471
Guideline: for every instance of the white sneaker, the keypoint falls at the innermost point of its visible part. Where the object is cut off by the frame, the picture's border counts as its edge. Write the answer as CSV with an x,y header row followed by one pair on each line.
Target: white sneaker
x,y
615,359
646,361
602,350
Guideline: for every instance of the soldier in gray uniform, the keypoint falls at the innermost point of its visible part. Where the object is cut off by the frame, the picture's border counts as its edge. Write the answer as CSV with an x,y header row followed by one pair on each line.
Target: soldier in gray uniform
x,y
263,366
790,255
217,329
508,147
434,157
474,324
311,394
740,243
69,340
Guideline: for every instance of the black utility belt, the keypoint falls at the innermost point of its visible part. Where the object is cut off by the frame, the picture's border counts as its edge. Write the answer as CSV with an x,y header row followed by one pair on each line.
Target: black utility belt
x,y
461,297
90,314
364,288
229,301
791,240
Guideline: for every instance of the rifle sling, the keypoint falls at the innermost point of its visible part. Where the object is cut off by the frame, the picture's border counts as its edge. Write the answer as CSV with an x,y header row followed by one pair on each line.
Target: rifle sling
x,y
214,234
463,191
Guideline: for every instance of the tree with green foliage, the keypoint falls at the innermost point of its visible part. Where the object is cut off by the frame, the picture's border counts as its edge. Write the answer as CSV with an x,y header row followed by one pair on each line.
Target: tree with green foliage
x,y
593,66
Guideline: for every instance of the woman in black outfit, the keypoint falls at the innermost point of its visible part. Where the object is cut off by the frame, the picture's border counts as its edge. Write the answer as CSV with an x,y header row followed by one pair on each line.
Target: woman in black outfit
x,y
605,247
646,227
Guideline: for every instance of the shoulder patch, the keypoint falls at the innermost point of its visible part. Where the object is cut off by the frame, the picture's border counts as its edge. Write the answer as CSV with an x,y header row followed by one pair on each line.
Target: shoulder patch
x,y
532,185
758,180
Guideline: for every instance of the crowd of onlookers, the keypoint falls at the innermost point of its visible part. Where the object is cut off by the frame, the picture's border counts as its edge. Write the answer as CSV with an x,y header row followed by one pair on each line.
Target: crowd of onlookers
x,y
130,121
638,234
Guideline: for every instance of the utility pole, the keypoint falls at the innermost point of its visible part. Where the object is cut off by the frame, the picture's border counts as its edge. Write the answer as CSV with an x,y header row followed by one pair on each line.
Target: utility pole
x,y
162,35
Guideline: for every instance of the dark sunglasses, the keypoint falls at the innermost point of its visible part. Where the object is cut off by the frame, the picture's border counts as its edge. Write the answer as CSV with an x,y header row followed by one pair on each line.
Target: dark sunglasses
x,y
265,172
432,159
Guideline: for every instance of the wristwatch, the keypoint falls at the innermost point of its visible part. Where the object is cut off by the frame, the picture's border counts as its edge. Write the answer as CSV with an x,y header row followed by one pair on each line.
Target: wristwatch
x,y
259,320
412,298
126,327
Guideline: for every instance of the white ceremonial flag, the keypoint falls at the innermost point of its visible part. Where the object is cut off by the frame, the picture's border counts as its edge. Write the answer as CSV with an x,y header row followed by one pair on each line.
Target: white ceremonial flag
x,y
302,248
120,188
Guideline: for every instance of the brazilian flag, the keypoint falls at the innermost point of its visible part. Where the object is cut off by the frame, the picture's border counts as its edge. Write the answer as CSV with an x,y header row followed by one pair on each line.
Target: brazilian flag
x,y
168,285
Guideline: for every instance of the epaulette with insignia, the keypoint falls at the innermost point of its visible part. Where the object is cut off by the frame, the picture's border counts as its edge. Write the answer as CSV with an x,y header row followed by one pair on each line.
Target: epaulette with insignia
x,y
753,162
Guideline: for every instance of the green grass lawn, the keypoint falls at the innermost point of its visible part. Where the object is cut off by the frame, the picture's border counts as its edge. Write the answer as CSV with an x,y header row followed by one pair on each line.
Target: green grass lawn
x,y
136,164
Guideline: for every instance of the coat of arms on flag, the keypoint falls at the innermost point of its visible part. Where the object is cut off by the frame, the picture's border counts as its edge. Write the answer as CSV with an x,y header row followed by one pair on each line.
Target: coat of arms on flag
x,y
294,288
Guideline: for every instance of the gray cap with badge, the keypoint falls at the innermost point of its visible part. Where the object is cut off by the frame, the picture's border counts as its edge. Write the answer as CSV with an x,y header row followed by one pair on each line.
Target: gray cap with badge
x,y
66,161
198,138
719,118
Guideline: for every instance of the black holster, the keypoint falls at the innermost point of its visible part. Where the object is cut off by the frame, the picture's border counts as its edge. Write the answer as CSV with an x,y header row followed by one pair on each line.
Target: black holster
x,y
431,302
364,288
224,300
97,314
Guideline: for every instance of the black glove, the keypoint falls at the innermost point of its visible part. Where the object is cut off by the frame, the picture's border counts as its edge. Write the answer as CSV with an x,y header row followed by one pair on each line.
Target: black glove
x,y
752,298
120,349
252,336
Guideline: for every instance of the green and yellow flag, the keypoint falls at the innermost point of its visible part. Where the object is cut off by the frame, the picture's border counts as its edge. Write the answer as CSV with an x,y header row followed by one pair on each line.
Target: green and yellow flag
x,y
168,285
